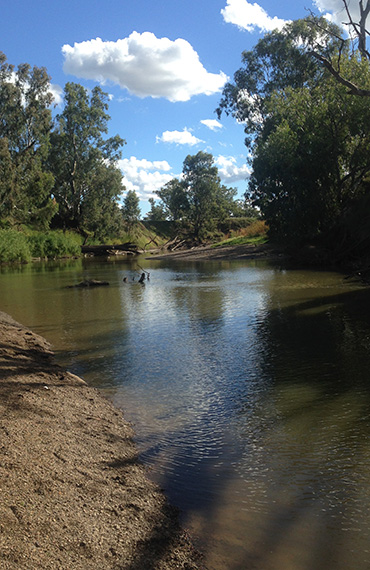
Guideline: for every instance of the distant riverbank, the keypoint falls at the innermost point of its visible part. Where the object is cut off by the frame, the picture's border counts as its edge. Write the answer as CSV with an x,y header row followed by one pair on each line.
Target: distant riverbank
x,y
223,253
74,494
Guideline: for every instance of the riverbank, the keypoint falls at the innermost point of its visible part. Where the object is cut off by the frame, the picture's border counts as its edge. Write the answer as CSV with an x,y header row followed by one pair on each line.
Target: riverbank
x,y
223,253
73,492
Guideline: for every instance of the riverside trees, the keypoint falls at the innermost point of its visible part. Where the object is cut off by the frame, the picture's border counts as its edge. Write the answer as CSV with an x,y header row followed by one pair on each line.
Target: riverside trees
x,y
62,173
308,138
83,162
25,125
198,199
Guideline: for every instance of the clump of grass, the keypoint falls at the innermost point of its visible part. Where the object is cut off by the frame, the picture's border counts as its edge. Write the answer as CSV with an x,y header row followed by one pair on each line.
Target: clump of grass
x,y
14,247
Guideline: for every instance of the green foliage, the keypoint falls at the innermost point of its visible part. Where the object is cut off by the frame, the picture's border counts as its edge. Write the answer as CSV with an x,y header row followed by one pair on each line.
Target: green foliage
x,y
174,199
309,139
199,199
83,162
148,235
64,176
55,244
157,211
14,247
253,231
131,209
164,229
281,58
25,124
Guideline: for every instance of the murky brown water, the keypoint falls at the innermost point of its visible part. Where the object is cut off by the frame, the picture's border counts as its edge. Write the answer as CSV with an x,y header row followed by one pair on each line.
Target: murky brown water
x,y
249,387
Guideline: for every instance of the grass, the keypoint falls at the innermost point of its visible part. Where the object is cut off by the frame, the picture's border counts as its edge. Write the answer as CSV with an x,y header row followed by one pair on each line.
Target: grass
x,y
54,244
242,240
21,246
254,234
147,236
25,244
14,247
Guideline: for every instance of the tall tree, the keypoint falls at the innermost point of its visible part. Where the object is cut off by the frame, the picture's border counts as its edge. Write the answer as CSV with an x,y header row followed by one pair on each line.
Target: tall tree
x,y
131,208
208,199
25,124
81,157
198,198
157,211
174,199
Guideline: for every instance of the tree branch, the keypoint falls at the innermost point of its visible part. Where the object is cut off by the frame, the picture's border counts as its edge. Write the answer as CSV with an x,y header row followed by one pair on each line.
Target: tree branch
x,y
353,89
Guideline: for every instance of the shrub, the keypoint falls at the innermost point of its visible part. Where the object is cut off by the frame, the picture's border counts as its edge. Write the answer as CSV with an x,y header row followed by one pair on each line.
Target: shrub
x,y
13,247
54,244
256,228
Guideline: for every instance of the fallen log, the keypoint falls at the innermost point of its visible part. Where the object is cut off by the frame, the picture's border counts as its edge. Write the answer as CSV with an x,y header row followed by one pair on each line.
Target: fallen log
x,y
108,249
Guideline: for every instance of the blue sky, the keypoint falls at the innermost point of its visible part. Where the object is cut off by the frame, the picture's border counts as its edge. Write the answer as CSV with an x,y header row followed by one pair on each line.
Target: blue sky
x,y
163,64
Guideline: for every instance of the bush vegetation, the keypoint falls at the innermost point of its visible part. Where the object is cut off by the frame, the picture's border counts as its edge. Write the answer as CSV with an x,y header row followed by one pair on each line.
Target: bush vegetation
x,y
14,247
254,233
22,246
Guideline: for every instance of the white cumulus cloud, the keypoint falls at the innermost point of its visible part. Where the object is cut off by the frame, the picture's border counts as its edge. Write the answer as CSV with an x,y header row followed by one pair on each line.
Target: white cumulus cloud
x,y
229,171
250,16
179,137
145,65
144,176
57,93
212,124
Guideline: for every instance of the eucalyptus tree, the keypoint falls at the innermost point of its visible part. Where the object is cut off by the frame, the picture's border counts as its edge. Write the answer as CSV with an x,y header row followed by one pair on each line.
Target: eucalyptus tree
x,y
208,199
308,137
198,198
356,22
81,157
25,124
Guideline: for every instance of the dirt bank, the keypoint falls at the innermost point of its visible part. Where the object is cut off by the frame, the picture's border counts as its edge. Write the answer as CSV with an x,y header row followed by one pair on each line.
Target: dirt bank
x,y
224,253
73,494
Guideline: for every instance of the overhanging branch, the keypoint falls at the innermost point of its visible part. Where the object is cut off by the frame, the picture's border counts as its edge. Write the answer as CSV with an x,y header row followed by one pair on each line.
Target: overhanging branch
x,y
352,87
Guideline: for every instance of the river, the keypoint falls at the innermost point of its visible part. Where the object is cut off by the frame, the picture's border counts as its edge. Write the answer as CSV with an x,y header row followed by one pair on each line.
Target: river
x,y
249,388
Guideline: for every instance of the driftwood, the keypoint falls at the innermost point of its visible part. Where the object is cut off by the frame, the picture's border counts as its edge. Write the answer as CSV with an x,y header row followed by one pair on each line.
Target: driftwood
x,y
129,248
178,244
89,283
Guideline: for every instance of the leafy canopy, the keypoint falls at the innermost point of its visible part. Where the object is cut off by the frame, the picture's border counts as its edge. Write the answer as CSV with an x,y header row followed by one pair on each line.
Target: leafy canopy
x,y
199,198
308,137
87,180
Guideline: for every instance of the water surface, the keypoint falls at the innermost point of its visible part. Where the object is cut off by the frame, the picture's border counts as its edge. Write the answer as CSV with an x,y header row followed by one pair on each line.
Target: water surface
x,y
249,389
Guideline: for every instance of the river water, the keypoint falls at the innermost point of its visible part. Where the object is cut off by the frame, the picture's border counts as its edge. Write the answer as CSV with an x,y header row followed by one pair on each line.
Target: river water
x,y
249,389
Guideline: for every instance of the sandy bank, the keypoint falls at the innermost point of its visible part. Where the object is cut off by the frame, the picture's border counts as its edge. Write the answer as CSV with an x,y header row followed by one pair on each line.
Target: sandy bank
x,y
73,494
223,253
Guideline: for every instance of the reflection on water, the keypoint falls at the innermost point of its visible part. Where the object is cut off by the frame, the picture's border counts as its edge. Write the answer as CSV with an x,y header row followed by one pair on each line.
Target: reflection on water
x,y
249,389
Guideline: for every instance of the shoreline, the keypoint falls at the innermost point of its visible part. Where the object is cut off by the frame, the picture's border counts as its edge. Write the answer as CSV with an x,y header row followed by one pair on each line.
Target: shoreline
x,y
74,492
223,253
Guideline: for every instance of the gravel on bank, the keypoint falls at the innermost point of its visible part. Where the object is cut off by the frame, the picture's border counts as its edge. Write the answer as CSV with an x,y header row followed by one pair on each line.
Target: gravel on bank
x,y
74,495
